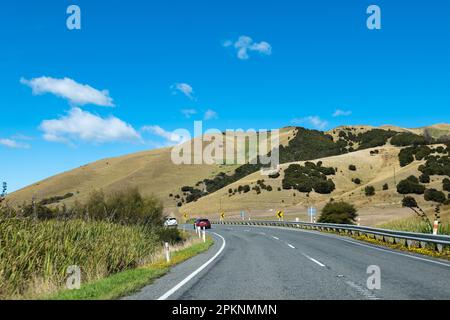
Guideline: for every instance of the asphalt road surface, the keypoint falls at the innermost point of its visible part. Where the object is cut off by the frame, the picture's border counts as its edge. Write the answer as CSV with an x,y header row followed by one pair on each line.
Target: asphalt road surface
x,y
284,264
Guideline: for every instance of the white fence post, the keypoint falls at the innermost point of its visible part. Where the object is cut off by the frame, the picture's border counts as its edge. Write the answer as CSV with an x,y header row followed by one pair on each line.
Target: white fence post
x,y
204,234
167,251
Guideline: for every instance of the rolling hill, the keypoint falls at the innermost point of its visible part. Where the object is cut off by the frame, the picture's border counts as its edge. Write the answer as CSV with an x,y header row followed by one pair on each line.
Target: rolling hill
x,y
154,173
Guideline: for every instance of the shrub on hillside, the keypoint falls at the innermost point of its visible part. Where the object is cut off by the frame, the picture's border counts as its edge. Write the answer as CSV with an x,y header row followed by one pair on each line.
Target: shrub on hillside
x,y
407,139
424,178
446,184
434,195
357,181
406,157
338,212
385,187
409,186
409,202
369,191
352,167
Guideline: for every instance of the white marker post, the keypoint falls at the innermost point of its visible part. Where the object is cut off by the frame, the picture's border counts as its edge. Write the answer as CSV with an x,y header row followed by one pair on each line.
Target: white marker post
x,y
204,234
199,231
167,251
435,227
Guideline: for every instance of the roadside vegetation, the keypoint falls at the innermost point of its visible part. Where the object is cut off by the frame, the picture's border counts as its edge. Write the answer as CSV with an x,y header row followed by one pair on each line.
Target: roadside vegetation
x,y
103,236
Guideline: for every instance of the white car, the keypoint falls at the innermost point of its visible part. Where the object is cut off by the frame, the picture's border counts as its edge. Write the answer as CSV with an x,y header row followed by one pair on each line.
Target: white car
x,y
171,222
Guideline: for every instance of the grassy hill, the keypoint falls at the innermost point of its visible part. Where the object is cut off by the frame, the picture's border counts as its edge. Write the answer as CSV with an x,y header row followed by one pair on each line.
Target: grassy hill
x,y
154,173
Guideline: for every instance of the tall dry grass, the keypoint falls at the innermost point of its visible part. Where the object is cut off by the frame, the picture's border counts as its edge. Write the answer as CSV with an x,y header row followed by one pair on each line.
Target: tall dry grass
x,y
35,255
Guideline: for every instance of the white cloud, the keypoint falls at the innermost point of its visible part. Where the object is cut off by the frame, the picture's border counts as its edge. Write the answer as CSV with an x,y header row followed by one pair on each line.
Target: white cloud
x,y
10,143
314,121
210,114
188,112
341,113
184,88
170,137
245,44
85,126
76,93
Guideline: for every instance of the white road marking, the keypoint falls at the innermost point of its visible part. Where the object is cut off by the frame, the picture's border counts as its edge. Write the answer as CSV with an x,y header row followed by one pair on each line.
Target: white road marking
x,y
196,272
275,238
291,246
314,260
367,246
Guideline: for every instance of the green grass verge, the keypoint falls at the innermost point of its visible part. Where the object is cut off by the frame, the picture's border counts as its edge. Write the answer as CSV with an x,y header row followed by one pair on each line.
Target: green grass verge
x,y
126,282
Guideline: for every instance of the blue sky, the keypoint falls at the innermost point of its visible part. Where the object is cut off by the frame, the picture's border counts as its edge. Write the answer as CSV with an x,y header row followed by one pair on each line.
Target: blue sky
x,y
140,69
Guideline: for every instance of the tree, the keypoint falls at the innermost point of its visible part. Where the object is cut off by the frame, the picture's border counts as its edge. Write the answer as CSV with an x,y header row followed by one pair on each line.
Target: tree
x,y
369,191
338,212
446,184
409,202
408,186
434,195
424,178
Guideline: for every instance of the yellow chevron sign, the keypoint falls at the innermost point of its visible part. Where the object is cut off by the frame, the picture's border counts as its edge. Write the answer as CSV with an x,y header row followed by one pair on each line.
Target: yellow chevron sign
x,y
280,214
185,216
222,215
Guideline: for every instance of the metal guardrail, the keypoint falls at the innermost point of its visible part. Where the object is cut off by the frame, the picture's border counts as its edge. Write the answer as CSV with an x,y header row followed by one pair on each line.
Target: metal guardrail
x,y
409,239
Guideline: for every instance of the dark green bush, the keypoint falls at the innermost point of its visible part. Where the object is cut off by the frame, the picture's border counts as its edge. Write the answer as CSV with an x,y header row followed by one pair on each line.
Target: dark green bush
x,y
446,184
385,187
434,195
338,212
409,202
424,178
407,139
352,167
409,186
369,191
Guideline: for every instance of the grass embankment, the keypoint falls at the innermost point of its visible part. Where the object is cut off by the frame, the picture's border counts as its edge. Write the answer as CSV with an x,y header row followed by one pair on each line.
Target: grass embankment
x,y
123,283
35,255
415,225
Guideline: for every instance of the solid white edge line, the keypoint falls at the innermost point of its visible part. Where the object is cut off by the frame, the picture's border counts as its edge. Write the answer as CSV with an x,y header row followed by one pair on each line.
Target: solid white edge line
x,y
196,272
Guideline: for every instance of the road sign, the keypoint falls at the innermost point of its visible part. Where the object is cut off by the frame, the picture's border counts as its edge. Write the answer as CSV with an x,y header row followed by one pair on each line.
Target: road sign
x,y
280,214
222,215
185,216
312,213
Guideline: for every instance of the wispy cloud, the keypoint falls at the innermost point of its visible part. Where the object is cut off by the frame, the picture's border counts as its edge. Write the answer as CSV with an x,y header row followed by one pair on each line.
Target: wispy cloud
x,y
245,44
342,113
78,94
79,125
184,88
314,121
188,112
14,144
171,138
210,114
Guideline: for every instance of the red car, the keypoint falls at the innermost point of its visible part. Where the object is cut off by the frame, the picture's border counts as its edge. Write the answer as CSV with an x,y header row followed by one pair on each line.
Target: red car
x,y
202,223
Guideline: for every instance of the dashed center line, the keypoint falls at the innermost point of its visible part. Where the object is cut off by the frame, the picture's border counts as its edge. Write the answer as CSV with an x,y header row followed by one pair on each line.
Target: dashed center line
x,y
314,260
275,238
291,246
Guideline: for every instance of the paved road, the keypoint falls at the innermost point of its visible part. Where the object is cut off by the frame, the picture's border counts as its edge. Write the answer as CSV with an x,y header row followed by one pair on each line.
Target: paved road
x,y
276,263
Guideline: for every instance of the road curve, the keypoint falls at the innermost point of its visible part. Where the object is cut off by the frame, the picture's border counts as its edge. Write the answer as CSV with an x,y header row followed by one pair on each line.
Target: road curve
x,y
287,264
